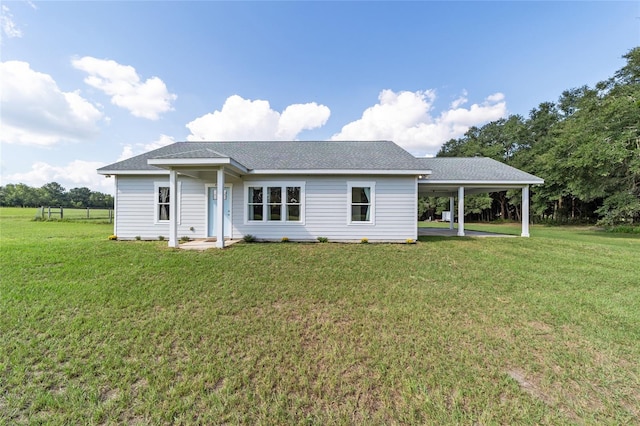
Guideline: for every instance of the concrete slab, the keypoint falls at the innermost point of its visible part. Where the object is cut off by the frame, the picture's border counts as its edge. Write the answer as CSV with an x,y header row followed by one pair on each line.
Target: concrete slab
x,y
446,232
204,244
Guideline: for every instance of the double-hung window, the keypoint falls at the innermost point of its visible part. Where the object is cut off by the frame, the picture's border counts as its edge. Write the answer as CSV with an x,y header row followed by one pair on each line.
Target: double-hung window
x,y
361,202
162,202
275,202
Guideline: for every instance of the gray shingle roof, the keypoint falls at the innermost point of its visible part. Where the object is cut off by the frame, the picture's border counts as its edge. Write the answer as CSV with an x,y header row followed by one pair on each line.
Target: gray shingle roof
x,y
278,155
330,155
474,169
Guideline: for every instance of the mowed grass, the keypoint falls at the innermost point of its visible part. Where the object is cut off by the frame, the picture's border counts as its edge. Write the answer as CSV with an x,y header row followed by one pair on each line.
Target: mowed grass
x,y
543,330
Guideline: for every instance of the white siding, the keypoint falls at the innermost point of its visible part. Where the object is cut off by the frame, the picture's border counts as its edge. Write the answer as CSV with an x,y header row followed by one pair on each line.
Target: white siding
x,y
326,209
135,209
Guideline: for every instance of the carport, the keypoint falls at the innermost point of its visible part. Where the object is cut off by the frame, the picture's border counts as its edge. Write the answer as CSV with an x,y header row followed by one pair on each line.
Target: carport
x,y
456,177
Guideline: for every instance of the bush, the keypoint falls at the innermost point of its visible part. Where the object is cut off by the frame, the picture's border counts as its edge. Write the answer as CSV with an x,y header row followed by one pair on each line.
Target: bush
x,y
113,237
160,237
364,241
138,237
285,239
323,239
410,241
624,229
249,238
184,239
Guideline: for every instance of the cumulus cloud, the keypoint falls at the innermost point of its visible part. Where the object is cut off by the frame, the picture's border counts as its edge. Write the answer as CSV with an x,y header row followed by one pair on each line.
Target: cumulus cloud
x,y
146,99
35,111
131,150
245,119
77,173
406,118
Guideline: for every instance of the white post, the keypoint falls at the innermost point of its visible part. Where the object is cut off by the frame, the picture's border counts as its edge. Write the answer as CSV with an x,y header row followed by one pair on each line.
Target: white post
x,y
173,208
451,215
461,211
220,210
525,211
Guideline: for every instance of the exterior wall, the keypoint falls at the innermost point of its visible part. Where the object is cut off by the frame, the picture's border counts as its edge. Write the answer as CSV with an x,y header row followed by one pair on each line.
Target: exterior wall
x,y
136,208
326,209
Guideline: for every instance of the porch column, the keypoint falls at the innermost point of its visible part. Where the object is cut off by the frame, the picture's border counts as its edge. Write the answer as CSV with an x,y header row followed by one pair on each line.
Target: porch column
x,y
525,211
173,208
460,211
220,210
451,215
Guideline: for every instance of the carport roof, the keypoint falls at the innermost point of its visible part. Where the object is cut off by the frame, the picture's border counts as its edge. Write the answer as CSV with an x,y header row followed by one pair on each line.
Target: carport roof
x,y
475,170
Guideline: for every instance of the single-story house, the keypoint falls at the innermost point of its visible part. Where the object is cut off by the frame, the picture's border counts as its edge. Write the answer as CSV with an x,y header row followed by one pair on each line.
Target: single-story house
x,y
341,190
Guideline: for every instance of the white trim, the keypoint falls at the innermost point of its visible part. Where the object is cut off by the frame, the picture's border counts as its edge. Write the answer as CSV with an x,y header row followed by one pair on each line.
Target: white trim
x,y
267,184
333,172
158,172
206,206
159,184
468,183
115,208
372,213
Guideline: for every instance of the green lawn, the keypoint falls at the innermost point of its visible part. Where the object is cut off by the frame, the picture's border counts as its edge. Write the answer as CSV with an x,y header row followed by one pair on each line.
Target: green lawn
x,y
544,330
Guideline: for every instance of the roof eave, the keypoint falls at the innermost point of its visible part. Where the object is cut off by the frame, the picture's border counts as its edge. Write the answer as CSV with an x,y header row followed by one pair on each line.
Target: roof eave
x,y
402,172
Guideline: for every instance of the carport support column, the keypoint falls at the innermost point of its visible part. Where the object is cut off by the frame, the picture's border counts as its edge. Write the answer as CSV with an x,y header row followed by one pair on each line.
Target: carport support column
x,y
220,209
173,208
460,211
525,211
451,215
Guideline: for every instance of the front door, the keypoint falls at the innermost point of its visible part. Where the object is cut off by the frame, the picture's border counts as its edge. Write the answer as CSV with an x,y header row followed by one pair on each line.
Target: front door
x,y
212,196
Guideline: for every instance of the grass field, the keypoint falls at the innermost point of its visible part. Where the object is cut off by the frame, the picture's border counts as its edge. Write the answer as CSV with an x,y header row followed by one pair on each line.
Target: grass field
x,y
544,330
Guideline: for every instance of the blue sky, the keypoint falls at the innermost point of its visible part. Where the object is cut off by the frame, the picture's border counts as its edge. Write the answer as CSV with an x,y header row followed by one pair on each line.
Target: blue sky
x,y
84,84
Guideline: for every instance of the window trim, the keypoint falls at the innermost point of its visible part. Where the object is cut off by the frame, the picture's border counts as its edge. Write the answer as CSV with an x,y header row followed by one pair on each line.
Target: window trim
x,y
372,202
156,205
265,185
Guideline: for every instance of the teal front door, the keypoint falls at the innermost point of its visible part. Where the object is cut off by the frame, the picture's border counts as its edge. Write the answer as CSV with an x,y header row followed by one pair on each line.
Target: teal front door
x,y
212,196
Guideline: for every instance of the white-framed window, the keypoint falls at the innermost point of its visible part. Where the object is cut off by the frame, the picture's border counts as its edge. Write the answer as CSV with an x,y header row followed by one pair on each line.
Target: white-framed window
x,y
361,207
268,202
162,197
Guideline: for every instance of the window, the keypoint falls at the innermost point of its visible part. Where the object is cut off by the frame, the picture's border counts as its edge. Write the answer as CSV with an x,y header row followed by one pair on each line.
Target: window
x,y
361,202
275,202
255,203
293,203
274,211
163,203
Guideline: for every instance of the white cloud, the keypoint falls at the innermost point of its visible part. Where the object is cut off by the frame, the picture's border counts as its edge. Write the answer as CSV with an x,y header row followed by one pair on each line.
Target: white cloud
x,y
9,27
244,119
406,118
131,150
77,173
143,99
36,112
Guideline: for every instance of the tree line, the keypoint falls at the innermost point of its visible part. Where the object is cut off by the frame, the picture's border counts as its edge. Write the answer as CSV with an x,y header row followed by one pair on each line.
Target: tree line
x,y
586,146
52,194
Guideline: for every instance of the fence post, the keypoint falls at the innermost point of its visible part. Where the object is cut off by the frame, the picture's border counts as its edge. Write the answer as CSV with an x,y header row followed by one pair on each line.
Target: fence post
x,y
49,213
87,212
61,213
110,216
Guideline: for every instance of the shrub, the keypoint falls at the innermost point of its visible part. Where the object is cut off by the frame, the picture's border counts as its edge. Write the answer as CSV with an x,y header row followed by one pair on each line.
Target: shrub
x,y
184,239
410,241
285,239
364,241
323,239
624,229
249,238
138,237
160,237
113,237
